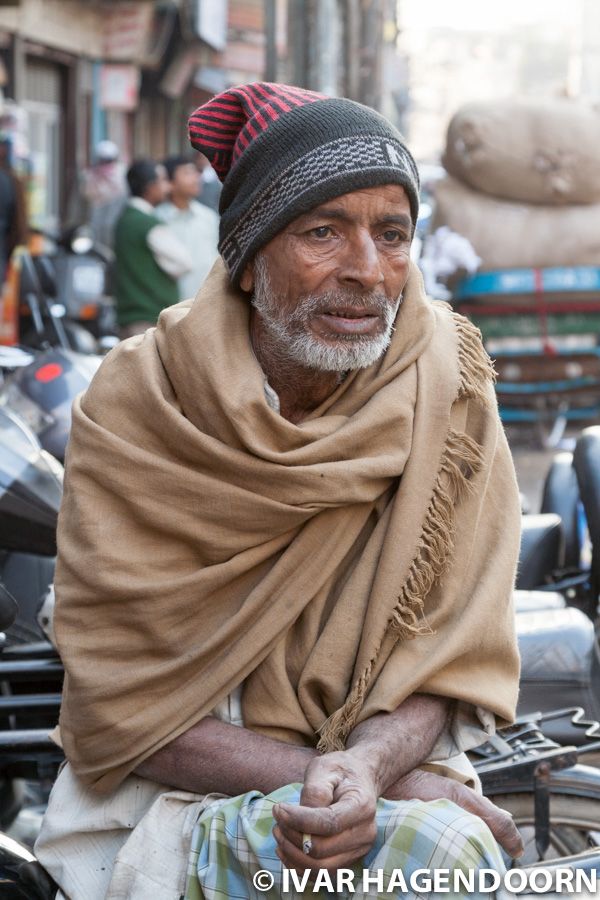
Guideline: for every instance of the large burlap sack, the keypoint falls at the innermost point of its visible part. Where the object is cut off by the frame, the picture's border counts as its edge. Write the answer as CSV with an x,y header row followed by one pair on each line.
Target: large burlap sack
x,y
507,235
534,152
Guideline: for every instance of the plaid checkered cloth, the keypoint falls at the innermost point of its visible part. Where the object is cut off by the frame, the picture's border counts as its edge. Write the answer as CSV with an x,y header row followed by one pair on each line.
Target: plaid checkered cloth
x,y
233,840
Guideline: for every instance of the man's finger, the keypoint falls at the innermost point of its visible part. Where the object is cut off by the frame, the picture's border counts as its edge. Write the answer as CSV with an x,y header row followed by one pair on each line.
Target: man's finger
x,y
427,786
347,812
294,858
322,777
357,838
317,794
295,837
497,820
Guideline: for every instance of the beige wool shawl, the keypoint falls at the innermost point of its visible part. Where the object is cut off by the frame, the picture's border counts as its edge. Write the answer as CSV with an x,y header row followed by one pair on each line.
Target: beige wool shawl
x,y
334,566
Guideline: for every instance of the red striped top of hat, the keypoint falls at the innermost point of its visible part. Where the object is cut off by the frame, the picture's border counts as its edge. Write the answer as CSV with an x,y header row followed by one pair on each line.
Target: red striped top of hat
x,y
227,124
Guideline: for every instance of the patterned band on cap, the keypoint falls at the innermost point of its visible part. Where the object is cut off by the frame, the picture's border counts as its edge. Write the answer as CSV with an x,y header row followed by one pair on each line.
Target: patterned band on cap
x,y
310,175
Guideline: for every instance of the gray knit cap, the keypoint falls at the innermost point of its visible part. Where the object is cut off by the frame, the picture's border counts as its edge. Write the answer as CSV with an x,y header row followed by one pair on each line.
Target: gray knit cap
x,y
280,151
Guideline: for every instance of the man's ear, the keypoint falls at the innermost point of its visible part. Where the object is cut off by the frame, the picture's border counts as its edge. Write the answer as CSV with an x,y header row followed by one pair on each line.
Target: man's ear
x,y
247,279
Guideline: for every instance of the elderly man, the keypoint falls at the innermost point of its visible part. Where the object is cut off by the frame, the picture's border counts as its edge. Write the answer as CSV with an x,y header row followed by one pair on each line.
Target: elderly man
x,y
287,545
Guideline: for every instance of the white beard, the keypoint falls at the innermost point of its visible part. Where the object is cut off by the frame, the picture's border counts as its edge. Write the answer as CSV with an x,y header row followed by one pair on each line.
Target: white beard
x,y
291,336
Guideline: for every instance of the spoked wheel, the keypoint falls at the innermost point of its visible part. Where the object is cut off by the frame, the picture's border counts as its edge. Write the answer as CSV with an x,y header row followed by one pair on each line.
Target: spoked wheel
x,y
574,824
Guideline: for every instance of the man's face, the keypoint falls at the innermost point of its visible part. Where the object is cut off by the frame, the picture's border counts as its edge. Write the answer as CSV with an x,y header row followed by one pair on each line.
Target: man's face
x,y
158,190
328,287
186,181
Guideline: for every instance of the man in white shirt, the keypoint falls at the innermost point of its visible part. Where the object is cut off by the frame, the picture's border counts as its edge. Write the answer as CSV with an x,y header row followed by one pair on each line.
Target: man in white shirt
x,y
148,255
195,225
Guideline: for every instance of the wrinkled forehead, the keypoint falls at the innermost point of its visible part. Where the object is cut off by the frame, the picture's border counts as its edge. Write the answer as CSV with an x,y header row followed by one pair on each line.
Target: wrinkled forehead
x,y
364,205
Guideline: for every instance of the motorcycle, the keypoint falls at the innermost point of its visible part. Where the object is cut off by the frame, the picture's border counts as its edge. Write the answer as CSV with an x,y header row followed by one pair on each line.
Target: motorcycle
x,y
557,622
63,290
36,396
30,672
552,797
30,495
40,388
25,753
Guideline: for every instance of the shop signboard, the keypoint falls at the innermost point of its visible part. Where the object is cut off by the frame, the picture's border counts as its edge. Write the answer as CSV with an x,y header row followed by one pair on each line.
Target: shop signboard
x,y
119,87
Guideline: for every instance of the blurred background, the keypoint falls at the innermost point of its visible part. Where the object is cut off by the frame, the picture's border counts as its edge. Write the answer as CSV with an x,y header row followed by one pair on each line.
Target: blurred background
x,y
75,72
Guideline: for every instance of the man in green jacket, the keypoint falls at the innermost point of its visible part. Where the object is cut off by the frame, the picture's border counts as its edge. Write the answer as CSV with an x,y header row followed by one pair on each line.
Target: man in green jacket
x,y
149,257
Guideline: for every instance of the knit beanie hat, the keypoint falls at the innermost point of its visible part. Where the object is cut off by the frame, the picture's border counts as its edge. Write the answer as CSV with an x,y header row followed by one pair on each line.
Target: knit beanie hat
x,y
280,151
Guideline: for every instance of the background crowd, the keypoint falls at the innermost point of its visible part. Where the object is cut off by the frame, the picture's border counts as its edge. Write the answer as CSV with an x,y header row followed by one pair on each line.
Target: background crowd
x,y
160,218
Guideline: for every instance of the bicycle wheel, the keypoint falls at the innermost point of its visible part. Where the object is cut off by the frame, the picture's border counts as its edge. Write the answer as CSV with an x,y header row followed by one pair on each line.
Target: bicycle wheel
x,y
574,824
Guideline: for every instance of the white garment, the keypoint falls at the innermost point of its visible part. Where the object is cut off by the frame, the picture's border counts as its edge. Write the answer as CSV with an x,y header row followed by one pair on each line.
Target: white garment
x,y
168,250
133,844
126,845
197,228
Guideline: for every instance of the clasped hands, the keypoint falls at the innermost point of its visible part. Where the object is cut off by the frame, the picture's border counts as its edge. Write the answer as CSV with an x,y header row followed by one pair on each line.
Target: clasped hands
x,y
337,809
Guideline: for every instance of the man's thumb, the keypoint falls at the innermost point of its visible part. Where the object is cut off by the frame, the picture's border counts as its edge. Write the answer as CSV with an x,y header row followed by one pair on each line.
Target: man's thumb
x,y
316,792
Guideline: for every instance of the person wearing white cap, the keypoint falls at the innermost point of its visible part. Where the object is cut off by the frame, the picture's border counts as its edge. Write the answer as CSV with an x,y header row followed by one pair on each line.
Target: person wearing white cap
x,y
105,190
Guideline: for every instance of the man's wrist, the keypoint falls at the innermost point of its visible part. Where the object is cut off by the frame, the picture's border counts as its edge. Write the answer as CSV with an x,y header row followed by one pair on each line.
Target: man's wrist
x,y
367,757
392,744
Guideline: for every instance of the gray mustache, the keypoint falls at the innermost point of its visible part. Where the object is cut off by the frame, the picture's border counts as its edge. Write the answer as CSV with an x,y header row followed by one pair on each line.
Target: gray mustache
x,y
377,304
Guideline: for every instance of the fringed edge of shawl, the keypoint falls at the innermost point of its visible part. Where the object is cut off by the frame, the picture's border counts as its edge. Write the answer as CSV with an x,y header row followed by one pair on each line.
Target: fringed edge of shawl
x,y
476,367
462,458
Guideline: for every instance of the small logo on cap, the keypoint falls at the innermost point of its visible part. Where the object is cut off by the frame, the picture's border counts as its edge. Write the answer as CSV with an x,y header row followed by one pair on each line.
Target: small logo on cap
x,y
393,154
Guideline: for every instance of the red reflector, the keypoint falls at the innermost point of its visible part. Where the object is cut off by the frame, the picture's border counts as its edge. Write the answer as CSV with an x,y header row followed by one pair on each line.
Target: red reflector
x,y
48,372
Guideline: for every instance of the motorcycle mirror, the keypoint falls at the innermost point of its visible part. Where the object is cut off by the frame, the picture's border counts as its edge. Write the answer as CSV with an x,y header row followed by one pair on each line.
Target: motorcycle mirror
x,y
80,240
82,244
14,358
107,342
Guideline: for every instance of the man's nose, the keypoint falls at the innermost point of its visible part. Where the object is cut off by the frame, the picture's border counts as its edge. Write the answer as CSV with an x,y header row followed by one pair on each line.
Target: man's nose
x,y
361,264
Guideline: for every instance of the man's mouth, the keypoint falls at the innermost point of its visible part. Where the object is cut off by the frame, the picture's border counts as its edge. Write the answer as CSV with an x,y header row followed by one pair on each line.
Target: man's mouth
x,y
352,313
348,321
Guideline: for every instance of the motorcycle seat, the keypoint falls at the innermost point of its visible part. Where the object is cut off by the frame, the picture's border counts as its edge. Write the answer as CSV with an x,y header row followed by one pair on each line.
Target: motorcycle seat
x,y
534,601
542,549
35,883
560,666
561,496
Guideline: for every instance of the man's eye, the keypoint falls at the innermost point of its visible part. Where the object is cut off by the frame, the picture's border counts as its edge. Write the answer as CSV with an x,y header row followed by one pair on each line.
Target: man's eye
x,y
322,231
391,236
